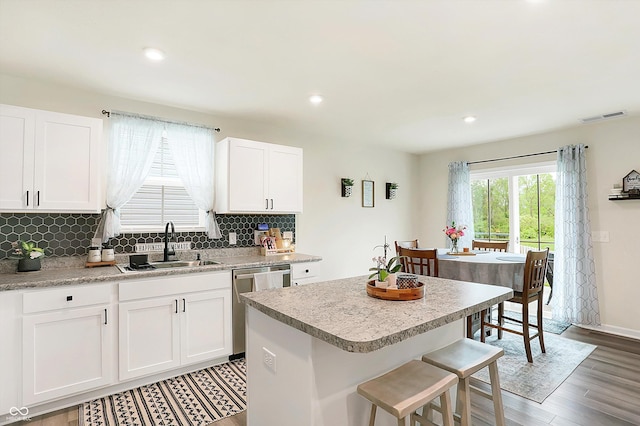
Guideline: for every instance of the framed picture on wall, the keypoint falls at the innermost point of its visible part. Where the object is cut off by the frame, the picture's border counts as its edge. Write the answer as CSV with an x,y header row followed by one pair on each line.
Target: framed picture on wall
x,y
368,198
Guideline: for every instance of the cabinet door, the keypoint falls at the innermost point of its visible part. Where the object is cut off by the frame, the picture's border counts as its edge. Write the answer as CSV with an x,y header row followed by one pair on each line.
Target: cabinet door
x,y
149,338
16,161
67,162
285,179
247,173
205,325
66,352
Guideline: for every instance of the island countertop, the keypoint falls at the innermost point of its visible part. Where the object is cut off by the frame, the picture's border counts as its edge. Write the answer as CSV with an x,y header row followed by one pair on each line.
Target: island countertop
x,y
341,313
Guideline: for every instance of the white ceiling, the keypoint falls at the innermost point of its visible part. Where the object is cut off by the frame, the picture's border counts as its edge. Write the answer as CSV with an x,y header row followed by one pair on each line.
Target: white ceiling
x,y
393,73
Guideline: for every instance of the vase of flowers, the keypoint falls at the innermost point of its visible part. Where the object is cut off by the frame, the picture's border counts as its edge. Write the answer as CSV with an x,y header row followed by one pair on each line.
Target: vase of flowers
x,y
454,233
28,256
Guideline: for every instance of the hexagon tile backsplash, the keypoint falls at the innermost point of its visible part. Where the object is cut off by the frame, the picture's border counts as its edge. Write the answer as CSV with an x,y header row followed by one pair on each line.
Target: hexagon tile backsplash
x,y
63,234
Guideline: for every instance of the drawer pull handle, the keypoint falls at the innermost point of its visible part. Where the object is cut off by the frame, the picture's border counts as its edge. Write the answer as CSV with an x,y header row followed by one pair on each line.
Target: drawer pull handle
x,y
38,205
176,300
27,198
69,298
184,305
105,316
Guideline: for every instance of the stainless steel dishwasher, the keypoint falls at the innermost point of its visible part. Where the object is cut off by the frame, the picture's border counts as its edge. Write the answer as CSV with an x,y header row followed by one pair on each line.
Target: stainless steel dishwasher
x,y
243,283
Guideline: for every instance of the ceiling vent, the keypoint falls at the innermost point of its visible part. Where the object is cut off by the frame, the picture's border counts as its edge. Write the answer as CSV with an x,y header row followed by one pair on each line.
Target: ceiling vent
x,y
603,117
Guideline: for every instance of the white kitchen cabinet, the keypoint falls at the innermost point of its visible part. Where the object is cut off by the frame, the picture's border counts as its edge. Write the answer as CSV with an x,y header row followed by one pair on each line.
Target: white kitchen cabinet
x,y
305,273
258,177
50,161
168,322
67,342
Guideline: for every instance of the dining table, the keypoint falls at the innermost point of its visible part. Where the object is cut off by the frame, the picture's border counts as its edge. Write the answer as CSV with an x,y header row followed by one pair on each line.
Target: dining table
x,y
486,267
482,266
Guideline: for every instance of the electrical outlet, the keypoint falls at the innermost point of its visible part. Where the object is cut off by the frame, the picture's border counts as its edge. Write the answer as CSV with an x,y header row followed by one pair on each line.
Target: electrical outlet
x,y
288,235
232,239
269,359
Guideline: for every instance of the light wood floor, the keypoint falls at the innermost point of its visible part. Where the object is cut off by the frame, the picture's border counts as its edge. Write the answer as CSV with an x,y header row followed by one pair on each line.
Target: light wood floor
x,y
603,390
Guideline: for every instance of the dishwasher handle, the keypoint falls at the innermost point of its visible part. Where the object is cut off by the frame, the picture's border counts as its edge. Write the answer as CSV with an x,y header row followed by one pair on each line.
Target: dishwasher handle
x,y
250,276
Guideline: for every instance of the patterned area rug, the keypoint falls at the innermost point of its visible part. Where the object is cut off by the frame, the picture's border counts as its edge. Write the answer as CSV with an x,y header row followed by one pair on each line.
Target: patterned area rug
x,y
197,398
537,380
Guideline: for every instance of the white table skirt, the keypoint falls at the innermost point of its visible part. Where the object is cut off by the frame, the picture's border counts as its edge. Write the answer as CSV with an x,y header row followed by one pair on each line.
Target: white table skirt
x,y
486,267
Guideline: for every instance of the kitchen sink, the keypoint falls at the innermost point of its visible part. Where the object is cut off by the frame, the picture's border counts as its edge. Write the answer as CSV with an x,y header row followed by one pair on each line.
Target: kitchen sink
x,y
170,264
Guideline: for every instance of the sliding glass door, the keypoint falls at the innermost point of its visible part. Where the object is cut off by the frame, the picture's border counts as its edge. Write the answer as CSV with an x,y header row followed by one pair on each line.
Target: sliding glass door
x,y
515,204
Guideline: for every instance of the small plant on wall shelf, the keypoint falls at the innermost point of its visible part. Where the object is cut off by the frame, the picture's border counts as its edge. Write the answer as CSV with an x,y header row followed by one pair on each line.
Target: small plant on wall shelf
x,y
347,187
391,190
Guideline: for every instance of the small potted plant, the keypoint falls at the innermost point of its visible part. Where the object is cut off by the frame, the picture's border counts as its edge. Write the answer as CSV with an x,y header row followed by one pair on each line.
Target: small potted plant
x,y
28,256
392,187
347,187
385,272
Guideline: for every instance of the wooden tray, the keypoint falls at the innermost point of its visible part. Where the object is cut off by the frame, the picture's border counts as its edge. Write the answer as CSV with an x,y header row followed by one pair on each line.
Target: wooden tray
x,y
106,263
393,294
462,253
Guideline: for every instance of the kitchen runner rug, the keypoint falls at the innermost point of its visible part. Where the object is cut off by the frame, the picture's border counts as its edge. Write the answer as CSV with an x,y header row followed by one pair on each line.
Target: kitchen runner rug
x,y
537,380
197,398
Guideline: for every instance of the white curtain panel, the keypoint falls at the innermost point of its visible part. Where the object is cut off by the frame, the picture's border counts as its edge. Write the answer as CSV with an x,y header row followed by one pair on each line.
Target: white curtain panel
x,y
133,143
193,150
575,296
459,208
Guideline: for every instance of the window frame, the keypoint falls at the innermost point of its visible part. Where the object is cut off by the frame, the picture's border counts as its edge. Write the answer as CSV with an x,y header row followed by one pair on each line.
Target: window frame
x,y
168,181
512,173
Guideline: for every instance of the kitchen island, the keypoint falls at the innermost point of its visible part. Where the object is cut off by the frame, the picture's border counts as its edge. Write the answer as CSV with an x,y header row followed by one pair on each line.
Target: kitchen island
x,y
308,347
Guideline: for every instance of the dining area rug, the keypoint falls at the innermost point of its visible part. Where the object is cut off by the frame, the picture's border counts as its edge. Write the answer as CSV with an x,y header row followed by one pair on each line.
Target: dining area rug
x,y
537,380
194,399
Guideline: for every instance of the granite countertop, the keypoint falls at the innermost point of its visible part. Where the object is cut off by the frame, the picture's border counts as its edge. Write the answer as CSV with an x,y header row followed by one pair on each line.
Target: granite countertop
x,y
341,313
80,275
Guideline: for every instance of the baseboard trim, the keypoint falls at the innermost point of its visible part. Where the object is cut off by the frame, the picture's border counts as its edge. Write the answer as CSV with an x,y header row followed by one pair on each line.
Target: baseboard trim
x,y
612,329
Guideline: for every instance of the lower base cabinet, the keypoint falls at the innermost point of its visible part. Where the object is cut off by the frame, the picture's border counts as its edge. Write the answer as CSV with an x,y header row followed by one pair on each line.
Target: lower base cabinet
x,y
68,350
178,328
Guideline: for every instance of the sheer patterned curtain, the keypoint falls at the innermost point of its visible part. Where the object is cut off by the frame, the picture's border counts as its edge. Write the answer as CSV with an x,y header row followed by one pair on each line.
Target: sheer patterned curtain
x,y
459,208
575,296
193,151
132,146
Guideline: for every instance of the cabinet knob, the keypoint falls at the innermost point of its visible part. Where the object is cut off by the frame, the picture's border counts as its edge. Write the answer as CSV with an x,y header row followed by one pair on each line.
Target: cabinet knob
x,y
306,271
69,298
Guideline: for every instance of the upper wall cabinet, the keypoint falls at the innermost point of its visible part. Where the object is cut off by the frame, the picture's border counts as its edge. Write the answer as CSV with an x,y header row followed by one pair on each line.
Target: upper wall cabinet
x,y
50,161
257,177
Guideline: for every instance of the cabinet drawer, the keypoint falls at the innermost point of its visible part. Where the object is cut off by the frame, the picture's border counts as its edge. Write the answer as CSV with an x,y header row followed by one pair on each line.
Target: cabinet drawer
x,y
174,284
305,270
67,297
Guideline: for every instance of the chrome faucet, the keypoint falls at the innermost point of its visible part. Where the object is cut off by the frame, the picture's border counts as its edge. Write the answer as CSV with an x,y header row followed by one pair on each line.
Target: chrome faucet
x,y
168,252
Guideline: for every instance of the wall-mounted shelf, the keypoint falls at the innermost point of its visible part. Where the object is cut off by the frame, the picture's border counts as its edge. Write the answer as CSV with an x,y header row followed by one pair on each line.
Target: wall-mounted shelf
x,y
623,197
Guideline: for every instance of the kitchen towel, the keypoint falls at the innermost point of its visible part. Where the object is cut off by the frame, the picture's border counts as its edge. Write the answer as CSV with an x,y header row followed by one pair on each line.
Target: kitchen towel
x,y
267,280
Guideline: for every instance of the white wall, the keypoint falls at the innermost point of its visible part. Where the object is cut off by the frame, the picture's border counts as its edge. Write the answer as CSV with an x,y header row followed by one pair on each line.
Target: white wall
x,y
344,233
336,228
614,150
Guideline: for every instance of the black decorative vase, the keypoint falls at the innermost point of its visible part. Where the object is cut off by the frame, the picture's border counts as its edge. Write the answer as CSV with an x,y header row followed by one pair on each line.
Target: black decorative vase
x,y
28,265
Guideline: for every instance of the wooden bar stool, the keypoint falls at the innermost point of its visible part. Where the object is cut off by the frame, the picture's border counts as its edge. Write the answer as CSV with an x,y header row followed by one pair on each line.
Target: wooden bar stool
x,y
463,358
405,389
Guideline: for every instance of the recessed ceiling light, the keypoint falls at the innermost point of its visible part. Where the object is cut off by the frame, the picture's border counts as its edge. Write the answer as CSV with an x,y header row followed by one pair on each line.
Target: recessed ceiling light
x,y
315,99
153,54
469,119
